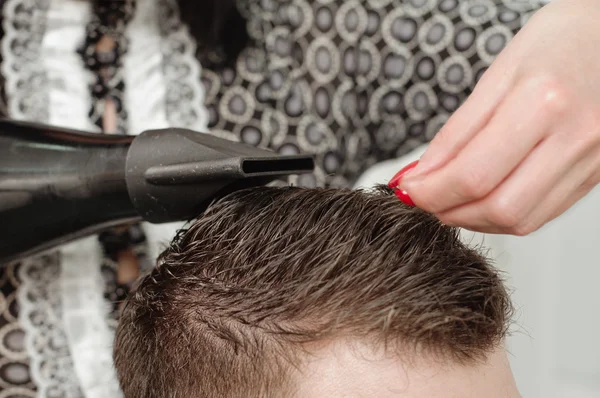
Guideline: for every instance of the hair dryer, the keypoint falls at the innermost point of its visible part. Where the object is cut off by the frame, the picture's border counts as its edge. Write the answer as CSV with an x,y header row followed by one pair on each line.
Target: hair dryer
x,y
57,185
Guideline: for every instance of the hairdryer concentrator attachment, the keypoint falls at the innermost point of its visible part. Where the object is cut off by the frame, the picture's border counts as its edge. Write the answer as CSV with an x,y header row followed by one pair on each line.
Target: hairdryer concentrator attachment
x,y
188,170
57,185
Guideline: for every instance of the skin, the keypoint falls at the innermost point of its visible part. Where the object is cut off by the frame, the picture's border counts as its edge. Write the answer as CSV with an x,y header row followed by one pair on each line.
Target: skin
x,y
525,146
354,370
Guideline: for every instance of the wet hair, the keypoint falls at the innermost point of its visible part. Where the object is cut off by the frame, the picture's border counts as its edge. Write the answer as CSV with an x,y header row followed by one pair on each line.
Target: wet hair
x,y
264,273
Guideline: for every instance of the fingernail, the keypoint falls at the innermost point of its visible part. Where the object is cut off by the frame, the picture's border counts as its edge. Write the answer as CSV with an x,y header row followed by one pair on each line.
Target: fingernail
x,y
404,197
395,182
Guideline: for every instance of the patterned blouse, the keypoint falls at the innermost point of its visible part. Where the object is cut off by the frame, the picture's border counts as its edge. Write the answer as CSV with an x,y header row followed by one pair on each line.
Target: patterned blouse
x,y
353,82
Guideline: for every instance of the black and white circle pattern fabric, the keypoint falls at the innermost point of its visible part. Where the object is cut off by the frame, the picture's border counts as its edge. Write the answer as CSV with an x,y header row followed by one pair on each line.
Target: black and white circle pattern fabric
x,y
355,82
14,364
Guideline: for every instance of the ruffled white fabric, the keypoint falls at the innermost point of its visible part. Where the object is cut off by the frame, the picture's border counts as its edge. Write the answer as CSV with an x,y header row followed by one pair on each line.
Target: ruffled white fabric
x,y
163,87
85,311
145,83
62,308
26,83
69,98
162,75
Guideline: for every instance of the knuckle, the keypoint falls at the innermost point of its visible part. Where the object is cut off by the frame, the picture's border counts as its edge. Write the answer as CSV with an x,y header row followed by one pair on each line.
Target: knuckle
x,y
474,184
552,95
453,222
431,205
523,229
446,220
505,215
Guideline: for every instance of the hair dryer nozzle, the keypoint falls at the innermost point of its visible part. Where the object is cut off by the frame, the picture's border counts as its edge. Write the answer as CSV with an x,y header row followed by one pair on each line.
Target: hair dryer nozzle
x,y
175,174
229,168
58,185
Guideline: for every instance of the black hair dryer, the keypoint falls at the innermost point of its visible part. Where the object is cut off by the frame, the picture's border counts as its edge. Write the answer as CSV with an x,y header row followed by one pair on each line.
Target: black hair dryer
x,y
57,185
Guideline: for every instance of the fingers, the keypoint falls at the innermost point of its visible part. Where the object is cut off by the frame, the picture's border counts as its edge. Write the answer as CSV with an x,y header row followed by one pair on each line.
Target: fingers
x,y
564,195
570,202
541,189
558,199
471,117
521,122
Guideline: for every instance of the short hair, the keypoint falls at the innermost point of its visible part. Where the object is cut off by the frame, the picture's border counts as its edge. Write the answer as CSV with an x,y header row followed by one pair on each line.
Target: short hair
x,y
266,271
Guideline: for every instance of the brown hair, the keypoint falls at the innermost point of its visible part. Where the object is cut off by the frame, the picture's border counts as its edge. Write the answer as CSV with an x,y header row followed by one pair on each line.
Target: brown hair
x,y
266,270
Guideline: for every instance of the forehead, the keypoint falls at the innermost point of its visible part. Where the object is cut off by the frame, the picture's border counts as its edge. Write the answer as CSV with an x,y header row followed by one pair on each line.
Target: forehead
x,y
344,369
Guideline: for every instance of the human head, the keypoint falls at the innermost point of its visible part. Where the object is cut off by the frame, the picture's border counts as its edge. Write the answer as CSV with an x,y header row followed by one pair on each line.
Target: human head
x,y
290,292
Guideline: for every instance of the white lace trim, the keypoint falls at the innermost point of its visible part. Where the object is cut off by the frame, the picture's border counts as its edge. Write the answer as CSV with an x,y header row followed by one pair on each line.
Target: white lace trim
x,y
145,84
84,316
62,307
24,22
68,79
84,310
162,85
40,313
27,91
61,300
185,93
162,75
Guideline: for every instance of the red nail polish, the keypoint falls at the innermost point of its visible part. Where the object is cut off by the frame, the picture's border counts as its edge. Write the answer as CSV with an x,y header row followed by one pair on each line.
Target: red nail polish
x,y
395,181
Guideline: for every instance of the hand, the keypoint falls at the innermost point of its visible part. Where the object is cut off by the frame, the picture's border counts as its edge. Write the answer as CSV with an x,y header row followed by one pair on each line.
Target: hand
x,y
525,146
